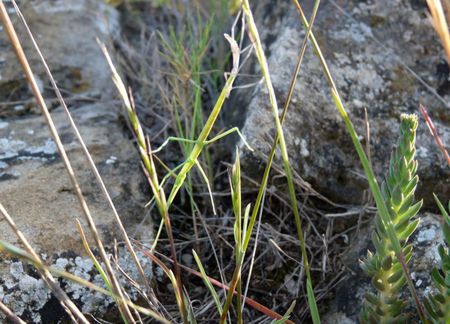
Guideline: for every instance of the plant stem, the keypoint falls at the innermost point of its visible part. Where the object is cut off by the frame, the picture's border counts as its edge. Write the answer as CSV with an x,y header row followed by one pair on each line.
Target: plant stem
x,y
254,36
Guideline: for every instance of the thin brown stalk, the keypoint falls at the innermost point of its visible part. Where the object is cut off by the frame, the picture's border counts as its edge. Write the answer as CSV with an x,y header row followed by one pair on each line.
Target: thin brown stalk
x,y
440,24
86,152
145,152
9,28
65,301
10,316
434,133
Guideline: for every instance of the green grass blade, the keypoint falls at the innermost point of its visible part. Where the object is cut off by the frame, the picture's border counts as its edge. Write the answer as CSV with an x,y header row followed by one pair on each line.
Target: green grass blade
x,y
202,138
442,209
254,35
312,302
93,258
286,315
208,283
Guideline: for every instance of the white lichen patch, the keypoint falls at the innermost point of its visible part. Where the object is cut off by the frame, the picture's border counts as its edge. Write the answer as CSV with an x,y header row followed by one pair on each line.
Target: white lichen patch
x,y
16,270
427,241
3,165
25,294
3,124
428,234
61,263
9,148
111,160
418,283
422,152
49,148
19,150
304,148
359,32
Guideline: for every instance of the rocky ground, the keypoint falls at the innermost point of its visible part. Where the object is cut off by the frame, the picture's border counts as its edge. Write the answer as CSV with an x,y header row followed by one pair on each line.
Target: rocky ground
x,y
385,58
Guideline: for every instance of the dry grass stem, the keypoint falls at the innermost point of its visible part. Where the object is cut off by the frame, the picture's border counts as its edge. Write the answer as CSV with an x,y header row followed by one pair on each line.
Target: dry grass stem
x,y
10,316
439,21
9,28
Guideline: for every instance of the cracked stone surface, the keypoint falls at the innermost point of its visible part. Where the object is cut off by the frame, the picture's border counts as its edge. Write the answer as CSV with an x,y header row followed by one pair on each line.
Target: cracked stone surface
x,y
66,32
36,190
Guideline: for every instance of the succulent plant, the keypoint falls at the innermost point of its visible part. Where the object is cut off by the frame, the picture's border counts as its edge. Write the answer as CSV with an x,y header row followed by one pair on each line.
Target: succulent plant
x,y
383,266
438,303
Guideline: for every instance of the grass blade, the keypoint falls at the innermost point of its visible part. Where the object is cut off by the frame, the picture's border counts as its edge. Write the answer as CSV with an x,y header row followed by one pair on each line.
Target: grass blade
x,y
149,169
202,138
71,309
286,315
252,303
10,316
9,29
208,283
85,150
253,31
93,258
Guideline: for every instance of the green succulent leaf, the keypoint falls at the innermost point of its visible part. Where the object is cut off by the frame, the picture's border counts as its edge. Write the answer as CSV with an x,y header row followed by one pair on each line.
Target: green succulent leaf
x,y
437,304
387,263
410,212
404,235
430,308
395,277
378,284
371,298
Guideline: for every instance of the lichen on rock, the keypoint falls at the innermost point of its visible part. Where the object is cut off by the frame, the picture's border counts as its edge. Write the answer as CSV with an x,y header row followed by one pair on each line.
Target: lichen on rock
x,y
27,294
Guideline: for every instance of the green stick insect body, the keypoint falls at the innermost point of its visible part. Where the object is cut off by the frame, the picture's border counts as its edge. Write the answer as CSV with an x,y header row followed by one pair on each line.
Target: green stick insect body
x,y
202,139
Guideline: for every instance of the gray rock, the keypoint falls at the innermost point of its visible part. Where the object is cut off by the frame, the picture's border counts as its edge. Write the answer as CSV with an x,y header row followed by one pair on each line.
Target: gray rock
x,y
66,32
381,54
36,190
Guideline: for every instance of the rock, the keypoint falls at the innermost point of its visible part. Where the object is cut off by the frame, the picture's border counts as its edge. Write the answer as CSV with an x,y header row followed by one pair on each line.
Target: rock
x,y
34,186
381,54
66,32
350,292
36,190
